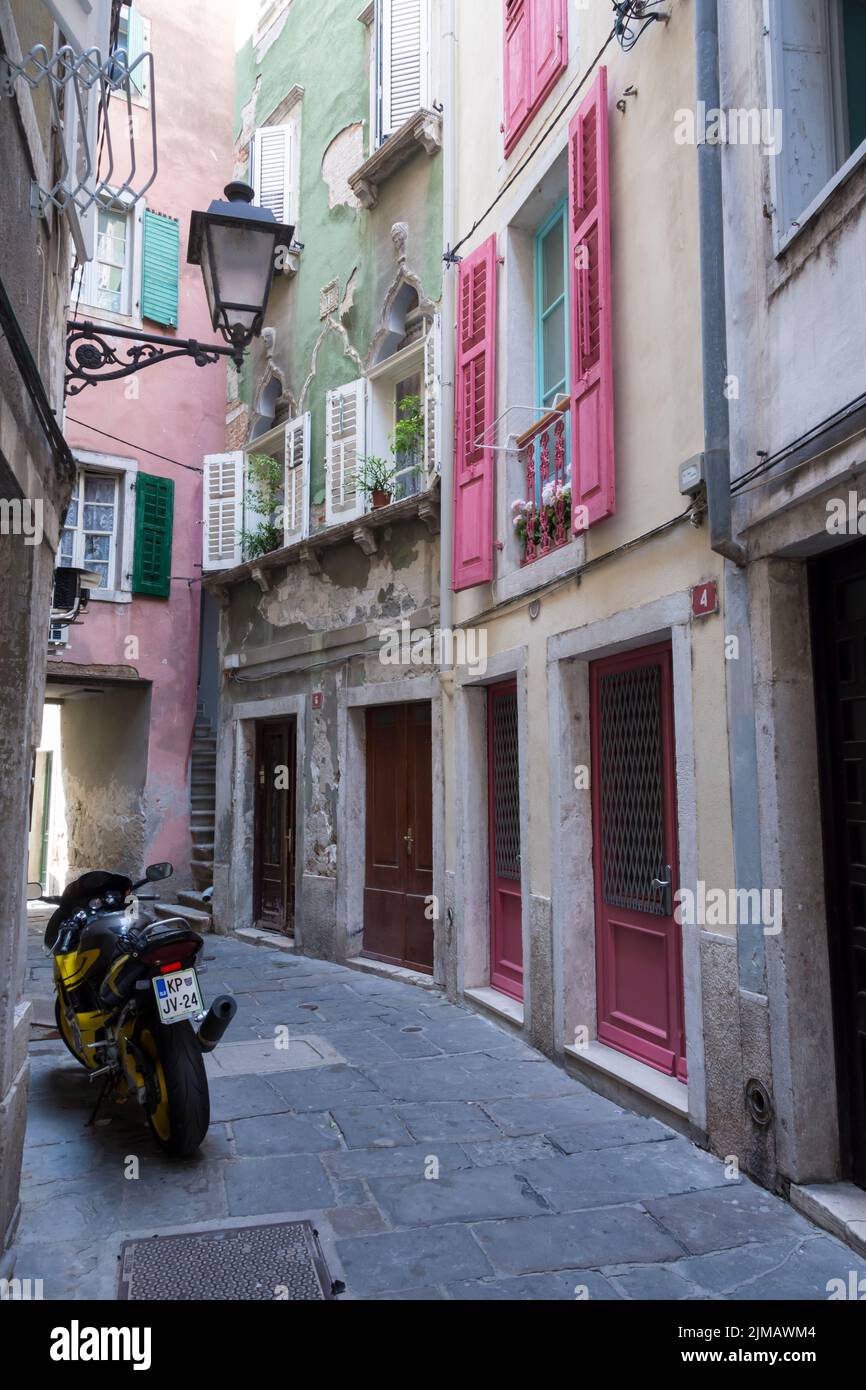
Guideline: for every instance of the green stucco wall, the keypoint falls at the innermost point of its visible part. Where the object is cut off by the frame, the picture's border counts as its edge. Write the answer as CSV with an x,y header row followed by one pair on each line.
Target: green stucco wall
x,y
323,48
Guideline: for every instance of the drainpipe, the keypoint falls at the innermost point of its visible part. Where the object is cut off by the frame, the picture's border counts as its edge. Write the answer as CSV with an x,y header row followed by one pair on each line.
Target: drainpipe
x,y
742,745
449,295
717,424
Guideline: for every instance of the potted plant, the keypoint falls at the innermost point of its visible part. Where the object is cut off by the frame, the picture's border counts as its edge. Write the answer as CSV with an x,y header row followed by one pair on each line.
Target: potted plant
x,y
264,492
375,476
407,439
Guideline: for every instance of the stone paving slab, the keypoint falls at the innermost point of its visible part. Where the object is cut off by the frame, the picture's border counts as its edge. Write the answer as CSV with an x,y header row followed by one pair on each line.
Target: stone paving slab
x,y
437,1155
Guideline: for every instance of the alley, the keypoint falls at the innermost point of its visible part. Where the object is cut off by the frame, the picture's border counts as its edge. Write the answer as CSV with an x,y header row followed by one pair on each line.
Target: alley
x,y
438,1157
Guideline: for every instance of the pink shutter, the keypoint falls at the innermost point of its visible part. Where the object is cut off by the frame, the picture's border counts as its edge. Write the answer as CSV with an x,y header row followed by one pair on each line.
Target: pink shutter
x,y
518,68
475,410
549,45
592,442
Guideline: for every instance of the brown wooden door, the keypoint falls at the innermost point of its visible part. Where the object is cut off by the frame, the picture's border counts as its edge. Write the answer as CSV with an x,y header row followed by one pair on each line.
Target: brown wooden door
x,y
399,815
839,627
274,866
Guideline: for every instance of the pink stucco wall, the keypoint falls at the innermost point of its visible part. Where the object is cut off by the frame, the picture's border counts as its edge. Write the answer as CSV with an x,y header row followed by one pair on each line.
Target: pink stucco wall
x,y
177,409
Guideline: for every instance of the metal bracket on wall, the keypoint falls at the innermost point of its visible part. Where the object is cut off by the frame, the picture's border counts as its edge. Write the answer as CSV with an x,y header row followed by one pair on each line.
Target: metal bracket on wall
x,y
79,88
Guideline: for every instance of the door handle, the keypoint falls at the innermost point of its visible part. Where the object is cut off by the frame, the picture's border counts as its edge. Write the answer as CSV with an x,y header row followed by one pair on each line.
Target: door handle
x,y
666,886
409,840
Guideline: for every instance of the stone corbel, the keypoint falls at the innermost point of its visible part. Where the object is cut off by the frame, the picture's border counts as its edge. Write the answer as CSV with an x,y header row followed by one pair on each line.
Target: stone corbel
x,y
366,193
429,132
366,539
263,578
429,514
310,557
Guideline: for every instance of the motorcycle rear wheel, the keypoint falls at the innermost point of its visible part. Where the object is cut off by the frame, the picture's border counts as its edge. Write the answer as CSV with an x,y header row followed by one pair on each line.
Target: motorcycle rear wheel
x,y
180,1117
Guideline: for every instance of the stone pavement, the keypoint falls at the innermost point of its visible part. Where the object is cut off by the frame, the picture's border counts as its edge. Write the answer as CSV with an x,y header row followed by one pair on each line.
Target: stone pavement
x,y
437,1156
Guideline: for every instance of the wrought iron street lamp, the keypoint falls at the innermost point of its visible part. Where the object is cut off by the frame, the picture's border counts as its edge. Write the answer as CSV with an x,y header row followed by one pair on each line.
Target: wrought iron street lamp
x,y
237,245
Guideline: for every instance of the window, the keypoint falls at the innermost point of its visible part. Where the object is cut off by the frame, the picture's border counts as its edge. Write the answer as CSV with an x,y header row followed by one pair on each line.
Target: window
x,y
110,281
133,40
408,412
400,59
536,54
88,539
551,307
273,171
817,52
269,12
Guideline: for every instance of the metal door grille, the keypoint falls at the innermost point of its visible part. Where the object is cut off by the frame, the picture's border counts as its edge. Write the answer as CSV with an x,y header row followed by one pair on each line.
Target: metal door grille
x,y
632,789
506,787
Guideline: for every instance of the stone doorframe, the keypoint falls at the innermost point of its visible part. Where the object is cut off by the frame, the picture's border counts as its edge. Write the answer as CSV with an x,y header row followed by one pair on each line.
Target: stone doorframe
x,y
241,780
352,706
573,897
472,891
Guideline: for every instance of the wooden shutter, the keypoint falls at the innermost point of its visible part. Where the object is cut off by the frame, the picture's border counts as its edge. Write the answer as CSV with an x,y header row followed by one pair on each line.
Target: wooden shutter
x,y
160,268
518,69
549,48
475,402
433,398
296,523
272,170
802,65
345,444
154,514
404,61
223,510
592,440
139,42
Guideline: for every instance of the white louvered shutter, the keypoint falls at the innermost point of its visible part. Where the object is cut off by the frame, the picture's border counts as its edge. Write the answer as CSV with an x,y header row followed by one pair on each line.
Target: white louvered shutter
x,y
433,398
404,61
345,446
223,510
272,170
296,524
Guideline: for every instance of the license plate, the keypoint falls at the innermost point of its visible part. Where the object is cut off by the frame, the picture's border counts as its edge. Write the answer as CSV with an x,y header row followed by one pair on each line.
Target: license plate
x,y
177,995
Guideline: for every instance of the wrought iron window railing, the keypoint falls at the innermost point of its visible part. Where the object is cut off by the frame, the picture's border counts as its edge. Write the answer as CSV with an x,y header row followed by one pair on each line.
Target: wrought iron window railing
x,y
542,517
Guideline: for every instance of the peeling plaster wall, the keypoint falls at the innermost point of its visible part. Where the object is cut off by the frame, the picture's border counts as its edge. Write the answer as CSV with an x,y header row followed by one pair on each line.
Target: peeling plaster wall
x,y
104,747
341,240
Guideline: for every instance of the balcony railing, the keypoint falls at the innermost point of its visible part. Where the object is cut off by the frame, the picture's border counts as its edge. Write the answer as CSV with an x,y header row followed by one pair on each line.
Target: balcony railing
x,y
542,519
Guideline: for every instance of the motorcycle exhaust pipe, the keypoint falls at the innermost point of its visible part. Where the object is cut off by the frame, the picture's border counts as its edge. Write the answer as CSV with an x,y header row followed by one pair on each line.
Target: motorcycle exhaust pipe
x,y
216,1021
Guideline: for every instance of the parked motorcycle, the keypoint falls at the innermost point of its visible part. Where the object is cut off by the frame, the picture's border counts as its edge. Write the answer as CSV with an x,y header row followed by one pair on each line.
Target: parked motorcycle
x,y
127,997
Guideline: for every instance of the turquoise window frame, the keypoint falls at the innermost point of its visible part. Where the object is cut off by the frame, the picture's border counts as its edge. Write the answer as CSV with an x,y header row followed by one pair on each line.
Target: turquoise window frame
x,y
542,314
559,213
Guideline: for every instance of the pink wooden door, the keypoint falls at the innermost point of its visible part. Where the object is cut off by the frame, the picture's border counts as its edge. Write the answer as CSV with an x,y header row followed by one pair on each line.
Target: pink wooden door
x,y
638,941
506,916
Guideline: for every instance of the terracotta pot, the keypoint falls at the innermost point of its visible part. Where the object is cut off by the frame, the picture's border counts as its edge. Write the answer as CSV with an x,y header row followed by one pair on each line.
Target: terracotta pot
x,y
381,499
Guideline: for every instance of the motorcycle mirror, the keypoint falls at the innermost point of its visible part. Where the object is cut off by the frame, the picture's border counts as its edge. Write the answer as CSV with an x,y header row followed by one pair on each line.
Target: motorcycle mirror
x,y
34,891
155,872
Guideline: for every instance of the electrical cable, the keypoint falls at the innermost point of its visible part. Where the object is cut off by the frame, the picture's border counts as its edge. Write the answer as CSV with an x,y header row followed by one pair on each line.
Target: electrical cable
x,y
451,252
139,448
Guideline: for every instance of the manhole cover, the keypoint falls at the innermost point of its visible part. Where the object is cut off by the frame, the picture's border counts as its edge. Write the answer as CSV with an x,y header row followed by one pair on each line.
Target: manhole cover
x,y
283,1262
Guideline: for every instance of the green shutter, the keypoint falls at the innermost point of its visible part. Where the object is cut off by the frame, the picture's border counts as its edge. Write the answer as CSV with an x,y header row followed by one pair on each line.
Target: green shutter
x,y
154,512
160,268
136,45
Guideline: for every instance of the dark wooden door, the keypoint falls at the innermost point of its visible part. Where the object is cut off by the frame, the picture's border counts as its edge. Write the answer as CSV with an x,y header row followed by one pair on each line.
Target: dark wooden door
x,y
839,627
639,971
398,925
274,866
503,818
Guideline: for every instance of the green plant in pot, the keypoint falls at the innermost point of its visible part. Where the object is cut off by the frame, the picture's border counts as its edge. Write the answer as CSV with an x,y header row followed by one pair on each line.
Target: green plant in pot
x,y
375,476
264,496
407,439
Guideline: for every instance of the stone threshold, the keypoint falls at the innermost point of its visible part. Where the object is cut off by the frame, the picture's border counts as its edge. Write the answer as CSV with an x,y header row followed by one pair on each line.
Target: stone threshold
x,y
628,1082
393,972
257,937
493,1001
837,1207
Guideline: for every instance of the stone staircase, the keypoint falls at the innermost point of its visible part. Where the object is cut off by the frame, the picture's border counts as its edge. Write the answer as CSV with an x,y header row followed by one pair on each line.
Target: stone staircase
x,y
195,904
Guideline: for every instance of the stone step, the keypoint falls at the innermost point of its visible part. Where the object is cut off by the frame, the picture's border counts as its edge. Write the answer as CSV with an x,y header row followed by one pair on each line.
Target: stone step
x,y
202,835
187,897
198,920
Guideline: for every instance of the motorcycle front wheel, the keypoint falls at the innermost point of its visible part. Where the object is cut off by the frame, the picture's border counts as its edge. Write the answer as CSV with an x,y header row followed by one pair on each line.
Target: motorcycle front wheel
x,y
178,1110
